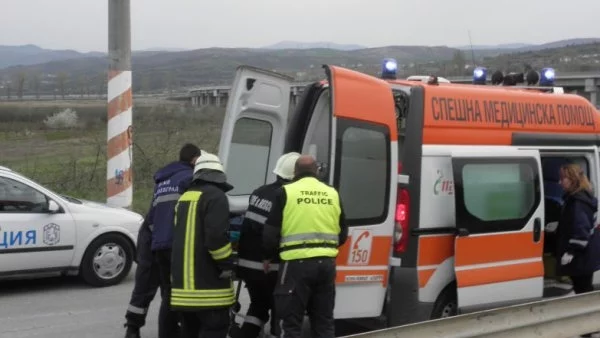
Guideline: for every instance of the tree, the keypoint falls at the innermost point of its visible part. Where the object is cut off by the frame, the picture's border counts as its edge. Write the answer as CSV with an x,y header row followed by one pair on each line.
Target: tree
x,y
35,84
20,84
459,62
62,79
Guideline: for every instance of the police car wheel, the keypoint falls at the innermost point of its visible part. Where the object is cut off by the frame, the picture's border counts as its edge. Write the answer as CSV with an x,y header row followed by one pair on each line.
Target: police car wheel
x,y
107,260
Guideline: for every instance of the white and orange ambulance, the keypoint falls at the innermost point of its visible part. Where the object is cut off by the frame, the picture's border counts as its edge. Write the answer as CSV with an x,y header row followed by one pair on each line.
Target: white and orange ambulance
x,y
447,187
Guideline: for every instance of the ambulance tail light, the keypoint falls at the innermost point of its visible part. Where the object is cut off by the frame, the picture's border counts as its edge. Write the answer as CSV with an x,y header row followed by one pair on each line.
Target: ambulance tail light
x,y
401,232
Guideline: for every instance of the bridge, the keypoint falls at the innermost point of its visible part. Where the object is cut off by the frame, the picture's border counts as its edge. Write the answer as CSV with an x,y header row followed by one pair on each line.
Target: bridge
x,y
586,84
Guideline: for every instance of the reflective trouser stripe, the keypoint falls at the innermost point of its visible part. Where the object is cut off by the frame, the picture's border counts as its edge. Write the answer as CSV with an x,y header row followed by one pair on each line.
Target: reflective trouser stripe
x,y
136,310
256,265
309,236
254,321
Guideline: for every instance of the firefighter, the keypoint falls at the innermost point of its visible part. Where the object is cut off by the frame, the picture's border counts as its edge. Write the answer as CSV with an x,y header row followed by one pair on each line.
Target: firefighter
x,y
171,181
260,279
306,225
202,263
154,241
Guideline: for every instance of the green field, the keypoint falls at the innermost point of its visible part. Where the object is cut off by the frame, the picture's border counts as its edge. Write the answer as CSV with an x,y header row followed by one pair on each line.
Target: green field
x,y
72,160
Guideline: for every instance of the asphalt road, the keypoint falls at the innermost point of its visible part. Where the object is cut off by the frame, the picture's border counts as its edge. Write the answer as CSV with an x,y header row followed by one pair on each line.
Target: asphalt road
x,y
61,307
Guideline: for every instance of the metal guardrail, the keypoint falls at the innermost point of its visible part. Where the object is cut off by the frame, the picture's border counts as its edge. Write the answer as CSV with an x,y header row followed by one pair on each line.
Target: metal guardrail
x,y
562,317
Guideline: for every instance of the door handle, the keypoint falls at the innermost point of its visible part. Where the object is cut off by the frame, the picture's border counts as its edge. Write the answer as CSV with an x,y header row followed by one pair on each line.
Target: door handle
x,y
537,230
462,232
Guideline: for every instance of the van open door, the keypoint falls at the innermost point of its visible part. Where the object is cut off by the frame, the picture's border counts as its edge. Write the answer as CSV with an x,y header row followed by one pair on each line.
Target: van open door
x,y
363,168
254,129
499,220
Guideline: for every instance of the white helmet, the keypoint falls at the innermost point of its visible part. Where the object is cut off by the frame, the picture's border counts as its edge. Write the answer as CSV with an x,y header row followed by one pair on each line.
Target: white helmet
x,y
284,167
208,161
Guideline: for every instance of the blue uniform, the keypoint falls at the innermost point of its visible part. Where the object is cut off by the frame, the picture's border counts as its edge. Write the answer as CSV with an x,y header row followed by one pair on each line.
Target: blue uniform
x,y
170,183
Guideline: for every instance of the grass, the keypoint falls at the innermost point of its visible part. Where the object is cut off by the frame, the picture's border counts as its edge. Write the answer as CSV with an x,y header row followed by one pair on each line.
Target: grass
x,y
73,161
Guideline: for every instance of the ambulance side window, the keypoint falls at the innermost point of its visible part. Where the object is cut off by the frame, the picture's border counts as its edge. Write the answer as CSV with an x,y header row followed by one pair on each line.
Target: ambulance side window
x,y
496,195
249,155
362,170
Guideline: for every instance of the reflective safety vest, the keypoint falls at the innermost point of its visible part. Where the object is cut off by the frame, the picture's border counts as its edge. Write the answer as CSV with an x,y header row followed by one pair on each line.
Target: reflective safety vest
x,y
194,272
311,220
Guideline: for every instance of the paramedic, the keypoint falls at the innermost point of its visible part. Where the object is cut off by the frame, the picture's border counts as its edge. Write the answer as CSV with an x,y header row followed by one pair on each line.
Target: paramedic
x,y
307,224
578,239
260,278
202,262
170,182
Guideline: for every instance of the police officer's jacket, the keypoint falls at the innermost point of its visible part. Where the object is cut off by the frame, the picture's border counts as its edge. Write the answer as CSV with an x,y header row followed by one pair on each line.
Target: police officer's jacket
x,y
170,182
250,250
307,221
201,248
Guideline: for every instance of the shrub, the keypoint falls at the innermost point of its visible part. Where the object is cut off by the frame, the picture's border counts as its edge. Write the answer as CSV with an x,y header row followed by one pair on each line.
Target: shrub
x,y
64,119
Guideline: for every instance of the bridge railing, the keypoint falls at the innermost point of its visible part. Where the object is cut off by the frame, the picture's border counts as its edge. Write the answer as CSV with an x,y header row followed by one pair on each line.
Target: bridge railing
x,y
562,317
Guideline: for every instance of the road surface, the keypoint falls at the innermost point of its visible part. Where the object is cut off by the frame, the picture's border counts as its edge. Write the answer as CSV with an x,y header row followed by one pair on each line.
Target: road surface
x,y
66,307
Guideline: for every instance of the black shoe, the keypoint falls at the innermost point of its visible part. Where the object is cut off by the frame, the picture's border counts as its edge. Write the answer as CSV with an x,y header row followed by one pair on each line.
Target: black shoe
x,y
132,332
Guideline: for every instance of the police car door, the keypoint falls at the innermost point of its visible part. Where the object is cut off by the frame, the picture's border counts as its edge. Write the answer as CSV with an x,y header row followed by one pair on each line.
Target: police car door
x,y
499,218
363,167
253,134
33,238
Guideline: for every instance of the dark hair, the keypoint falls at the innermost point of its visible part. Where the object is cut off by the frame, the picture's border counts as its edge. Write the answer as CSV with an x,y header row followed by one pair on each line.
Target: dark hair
x,y
188,152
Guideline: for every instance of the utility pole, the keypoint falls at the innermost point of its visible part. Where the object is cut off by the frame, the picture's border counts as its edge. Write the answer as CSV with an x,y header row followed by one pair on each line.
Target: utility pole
x,y
119,175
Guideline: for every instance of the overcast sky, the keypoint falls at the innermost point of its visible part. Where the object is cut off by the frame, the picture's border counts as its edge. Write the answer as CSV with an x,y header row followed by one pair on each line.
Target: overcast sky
x,y
82,24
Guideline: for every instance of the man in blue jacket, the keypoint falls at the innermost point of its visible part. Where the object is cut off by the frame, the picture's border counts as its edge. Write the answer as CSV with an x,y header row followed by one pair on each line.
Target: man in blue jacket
x,y
170,183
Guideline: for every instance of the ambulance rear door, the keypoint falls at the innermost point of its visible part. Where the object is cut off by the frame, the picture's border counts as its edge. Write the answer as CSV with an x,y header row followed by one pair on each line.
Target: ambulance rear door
x,y
254,129
363,168
499,219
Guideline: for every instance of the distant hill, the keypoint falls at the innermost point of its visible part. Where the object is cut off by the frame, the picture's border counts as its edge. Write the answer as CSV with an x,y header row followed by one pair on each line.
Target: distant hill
x,y
31,54
312,45
156,71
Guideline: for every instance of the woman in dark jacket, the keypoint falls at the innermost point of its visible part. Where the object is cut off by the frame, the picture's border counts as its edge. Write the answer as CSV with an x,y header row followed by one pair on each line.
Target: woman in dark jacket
x,y
578,239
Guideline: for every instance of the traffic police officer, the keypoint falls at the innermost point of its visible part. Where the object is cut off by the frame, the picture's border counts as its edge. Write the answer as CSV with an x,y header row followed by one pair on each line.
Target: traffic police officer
x,y
307,220
154,245
260,278
202,264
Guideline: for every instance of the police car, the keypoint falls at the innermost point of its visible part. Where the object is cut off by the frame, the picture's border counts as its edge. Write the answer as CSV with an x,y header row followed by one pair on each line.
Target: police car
x,y
43,232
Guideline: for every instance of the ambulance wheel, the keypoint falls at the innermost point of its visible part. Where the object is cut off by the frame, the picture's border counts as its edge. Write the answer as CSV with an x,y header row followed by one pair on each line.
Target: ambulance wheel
x,y
446,305
107,260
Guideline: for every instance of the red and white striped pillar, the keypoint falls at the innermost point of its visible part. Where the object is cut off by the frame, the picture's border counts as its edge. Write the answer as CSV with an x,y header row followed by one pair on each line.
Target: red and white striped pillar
x,y
119,187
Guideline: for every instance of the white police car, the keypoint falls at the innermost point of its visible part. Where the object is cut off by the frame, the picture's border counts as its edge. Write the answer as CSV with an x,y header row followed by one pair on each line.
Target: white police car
x,y
43,232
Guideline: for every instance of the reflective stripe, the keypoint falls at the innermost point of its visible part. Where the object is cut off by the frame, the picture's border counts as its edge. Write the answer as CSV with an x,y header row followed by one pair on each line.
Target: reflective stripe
x,y
199,302
222,252
255,217
578,242
254,321
136,310
309,236
189,281
256,265
210,293
166,198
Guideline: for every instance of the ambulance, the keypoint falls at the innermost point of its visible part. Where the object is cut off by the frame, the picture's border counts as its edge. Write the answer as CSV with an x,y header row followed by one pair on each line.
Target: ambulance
x,y
447,187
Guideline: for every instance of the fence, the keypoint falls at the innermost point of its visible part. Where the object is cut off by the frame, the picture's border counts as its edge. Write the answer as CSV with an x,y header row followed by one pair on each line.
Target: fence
x,y
560,317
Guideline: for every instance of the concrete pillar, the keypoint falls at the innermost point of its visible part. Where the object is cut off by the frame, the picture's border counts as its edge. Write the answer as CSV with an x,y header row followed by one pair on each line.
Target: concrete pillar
x,y
594,97
592,88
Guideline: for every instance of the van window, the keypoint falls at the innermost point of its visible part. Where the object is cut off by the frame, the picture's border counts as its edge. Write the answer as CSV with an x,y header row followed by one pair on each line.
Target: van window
x,y
318,134
249,155
402,105
362,170
496,196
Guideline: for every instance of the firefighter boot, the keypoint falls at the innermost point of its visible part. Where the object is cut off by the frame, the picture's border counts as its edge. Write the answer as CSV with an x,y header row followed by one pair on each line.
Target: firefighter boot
x,y
132,332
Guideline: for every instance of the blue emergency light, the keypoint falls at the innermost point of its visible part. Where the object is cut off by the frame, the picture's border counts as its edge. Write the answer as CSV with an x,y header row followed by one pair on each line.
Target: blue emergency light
x,y
479,75
389,69
547,77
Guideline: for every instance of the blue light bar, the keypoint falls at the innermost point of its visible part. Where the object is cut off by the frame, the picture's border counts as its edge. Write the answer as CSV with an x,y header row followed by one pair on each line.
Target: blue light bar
x,y
389,69
547,77
479,75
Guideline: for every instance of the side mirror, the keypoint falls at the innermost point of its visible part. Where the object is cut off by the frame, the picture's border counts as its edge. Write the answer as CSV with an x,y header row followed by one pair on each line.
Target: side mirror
x,y
53,207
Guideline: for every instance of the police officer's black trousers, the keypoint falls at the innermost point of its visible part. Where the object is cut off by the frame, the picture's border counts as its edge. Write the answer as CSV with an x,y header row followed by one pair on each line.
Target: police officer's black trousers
x,y
210,323
306,285
260,288
146,281
168,326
